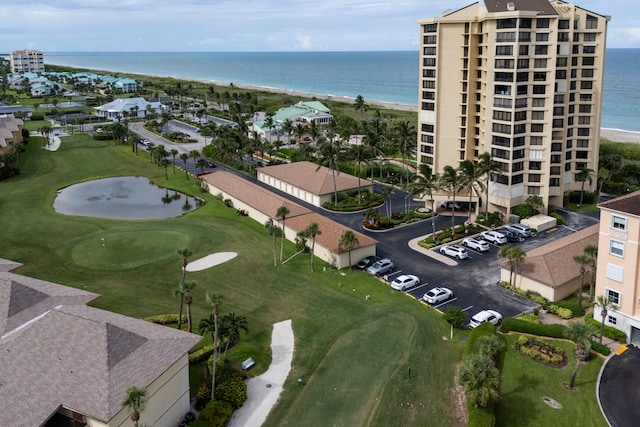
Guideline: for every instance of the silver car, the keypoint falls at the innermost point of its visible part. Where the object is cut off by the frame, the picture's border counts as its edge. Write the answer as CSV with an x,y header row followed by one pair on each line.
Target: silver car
x,y
519,229
381,266
494,237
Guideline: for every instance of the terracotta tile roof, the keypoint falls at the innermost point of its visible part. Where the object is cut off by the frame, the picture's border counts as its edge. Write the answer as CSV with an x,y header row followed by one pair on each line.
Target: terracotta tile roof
x,y
307,176
552,264
542,6
331,231
263,200
629,203
77,356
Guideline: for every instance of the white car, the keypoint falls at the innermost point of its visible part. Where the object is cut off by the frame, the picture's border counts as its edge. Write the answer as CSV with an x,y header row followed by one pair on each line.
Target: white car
x,y
494,237
381,266
448,204
485,316
478,245
437,295
405,281
454,251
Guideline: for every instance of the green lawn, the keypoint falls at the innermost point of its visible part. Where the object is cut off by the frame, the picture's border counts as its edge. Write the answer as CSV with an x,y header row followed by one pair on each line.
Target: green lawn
x,y
525,383
352,354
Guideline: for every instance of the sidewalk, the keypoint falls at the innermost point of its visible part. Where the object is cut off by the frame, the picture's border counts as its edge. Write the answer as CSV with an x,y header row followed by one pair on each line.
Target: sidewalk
x,y
264,391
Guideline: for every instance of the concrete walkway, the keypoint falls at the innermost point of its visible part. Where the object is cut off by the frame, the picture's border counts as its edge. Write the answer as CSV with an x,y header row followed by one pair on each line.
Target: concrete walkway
x,y
264,391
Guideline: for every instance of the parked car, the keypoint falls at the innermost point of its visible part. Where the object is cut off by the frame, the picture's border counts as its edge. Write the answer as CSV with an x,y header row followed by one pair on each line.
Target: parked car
x,y
520,229
210,163
494,237
381,266
99,130
448,204
478,245
454,251
437,295
485,316
405,281
366,262
511,236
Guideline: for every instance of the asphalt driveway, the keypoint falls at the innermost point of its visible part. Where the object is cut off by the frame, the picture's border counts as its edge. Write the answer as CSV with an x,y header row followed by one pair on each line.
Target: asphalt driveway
x,y
618,392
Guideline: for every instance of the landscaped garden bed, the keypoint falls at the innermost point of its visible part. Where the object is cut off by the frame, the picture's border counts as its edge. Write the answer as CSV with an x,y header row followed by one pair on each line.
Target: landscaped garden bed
x,y
540,352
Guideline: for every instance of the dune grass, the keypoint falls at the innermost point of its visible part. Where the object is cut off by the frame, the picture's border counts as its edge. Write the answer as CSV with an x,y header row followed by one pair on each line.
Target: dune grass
x,y
352,353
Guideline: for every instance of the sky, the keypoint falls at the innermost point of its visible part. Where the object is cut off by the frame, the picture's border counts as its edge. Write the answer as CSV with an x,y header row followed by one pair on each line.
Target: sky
x,y
246,25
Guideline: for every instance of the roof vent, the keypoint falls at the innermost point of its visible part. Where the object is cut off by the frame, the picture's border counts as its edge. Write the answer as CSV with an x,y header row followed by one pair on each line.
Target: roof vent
x,y
511,6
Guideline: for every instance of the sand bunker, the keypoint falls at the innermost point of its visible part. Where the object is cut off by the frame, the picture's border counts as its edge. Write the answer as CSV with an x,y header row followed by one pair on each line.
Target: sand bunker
x,y
210,261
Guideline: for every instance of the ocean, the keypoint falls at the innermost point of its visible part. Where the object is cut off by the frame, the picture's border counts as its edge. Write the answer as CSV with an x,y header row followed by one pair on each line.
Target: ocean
x,y
376,76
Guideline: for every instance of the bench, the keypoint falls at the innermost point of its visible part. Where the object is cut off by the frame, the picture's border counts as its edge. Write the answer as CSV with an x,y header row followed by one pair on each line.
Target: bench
x,y
248,363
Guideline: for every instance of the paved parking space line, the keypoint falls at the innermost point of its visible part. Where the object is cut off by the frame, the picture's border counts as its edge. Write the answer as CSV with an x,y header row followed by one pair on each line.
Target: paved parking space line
x,y
393,273
446,302
422,285
468,308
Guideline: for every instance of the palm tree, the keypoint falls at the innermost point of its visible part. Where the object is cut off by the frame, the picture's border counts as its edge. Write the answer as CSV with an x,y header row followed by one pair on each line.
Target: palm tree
x,y
580,333
426,182
185,253
184,157
187,291
214,299
361,106
312,231
178,292
591,251
348,242
583,175
233,325
489,169
135,400
480,379
505,252
174,153
194,154
451,180
406,136
605,304
329,157
516,256
287,127
583,261
387,192
472,174
201,163
281,214
274,231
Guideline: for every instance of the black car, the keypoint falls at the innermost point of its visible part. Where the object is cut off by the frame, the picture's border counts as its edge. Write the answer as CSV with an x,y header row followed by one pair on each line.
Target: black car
x,y
211,164
189,418
511,236
366,262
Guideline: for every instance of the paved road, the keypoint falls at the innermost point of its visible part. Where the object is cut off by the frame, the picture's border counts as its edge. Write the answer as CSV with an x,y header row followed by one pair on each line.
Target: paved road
x,y
619,393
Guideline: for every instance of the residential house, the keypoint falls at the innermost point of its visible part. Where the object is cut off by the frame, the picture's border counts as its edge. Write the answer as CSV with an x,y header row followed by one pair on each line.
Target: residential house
x,y
618,270
135,108
10,131
65,363
304,112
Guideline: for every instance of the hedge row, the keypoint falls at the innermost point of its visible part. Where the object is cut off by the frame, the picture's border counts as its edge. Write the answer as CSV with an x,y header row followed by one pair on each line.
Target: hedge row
x,y
609,331
165,319
546,330
201,354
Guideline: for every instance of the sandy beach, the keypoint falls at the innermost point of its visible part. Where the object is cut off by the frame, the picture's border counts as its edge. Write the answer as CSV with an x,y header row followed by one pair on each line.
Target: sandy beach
x,y
618,135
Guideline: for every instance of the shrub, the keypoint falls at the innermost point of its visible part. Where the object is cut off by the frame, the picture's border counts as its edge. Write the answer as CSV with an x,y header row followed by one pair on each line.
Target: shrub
x,y
563,313
203,395
217,413
446,240
588,199
228,203
600,348
529,318
523,211
201,354
165,319
609,331
559,219
232,391
484,330
575,308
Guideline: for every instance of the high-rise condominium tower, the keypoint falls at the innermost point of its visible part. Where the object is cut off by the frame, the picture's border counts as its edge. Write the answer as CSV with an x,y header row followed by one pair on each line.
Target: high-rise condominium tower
x,y
522,80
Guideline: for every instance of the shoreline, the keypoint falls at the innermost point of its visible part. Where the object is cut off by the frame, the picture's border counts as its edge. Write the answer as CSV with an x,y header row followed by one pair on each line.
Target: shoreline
x,y
611,134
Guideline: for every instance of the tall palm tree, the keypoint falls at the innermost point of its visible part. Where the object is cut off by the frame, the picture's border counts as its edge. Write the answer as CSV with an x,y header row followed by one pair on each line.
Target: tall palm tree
x,y
194,154
472,175
480,379
178,293
425,183
281,214
591,251
489,169
605,304
406,138
214,299
387,192
583,175
174,153
274,231
184,253
287,127
580,333
583,261
375,134
313,230
505,252
361,106
348,242
451,180
135,400
358,154
187,290
184,157
329,157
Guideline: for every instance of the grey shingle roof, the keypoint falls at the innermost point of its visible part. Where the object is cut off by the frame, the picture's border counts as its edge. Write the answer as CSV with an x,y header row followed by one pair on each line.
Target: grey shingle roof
x,y
542,6
74,355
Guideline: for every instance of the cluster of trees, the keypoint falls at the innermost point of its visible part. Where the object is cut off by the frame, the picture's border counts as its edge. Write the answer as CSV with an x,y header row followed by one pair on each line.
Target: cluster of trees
x,y
619,168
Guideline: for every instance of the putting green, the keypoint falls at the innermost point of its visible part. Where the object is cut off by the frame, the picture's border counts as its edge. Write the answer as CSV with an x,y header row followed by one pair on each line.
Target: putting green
x,y
118,251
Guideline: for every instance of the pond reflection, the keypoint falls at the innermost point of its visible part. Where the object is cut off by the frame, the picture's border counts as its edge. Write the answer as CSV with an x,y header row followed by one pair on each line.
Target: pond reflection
x,y
124,197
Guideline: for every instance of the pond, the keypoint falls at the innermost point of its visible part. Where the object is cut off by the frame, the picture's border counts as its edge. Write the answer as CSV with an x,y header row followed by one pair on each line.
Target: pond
x,y
123,197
